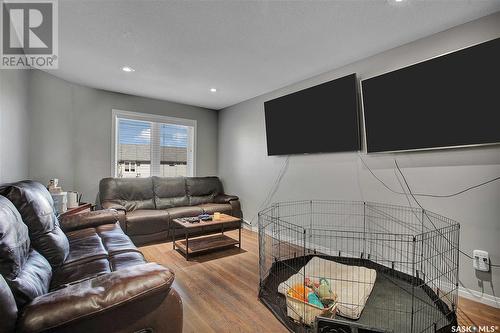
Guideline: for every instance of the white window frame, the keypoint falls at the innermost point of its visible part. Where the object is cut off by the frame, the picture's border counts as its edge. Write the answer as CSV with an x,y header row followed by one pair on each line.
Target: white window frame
x,y
116,114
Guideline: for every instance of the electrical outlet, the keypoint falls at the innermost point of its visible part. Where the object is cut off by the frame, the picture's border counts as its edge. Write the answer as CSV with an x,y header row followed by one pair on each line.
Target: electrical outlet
x,y
481,261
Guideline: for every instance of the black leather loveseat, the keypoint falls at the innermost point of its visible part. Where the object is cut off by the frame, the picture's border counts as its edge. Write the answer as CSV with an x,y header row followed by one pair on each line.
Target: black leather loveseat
x,y
80,274
148,205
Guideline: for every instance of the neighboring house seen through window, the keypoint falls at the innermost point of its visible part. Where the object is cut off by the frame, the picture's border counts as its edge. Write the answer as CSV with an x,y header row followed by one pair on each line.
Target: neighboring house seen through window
x,y
149,145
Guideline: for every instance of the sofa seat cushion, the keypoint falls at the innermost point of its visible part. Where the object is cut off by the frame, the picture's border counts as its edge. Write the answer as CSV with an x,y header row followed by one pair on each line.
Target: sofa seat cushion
x,y
97,243
210,208
78,271
140,222
187,211
125,259
75,273
114,239
96,251
140,240
85,245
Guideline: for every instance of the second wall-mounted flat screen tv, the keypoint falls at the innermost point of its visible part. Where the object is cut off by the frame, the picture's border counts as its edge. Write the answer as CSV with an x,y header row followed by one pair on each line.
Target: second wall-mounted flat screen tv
x,y
448,101
320,119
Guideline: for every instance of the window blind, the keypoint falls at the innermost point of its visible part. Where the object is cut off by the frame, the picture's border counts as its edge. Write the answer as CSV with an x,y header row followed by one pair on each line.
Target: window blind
x,y
174,150
151,148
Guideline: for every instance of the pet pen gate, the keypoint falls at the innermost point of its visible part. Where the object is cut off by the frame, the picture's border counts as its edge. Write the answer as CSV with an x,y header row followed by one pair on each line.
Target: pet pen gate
x,y
372,267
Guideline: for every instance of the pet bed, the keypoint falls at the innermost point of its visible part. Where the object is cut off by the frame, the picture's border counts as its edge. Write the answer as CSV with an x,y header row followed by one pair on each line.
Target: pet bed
x,y
352,284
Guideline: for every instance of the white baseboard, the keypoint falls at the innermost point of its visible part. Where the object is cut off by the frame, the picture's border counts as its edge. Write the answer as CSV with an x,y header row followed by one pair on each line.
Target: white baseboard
x,y
246,222
479,297
247,225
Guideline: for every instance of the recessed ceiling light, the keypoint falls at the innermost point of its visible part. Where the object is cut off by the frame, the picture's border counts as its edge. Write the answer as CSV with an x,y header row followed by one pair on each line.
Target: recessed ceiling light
x,y
213,89
398,2
128,69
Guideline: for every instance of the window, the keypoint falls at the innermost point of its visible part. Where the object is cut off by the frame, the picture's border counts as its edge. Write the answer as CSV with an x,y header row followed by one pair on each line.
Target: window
x,y
150,145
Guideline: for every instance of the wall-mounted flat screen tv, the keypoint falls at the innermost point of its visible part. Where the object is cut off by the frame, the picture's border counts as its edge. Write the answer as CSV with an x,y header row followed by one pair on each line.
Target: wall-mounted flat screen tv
x,y
320,119
449,101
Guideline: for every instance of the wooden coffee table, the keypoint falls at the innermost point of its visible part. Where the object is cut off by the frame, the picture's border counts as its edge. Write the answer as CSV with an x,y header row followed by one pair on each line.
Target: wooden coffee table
x,y
199,244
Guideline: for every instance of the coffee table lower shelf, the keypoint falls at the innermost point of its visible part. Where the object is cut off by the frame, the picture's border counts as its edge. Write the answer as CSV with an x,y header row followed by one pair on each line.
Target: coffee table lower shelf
x,y
205,243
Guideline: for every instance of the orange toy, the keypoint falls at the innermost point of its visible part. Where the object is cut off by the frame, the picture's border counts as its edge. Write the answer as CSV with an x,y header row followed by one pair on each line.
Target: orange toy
x,y
299,291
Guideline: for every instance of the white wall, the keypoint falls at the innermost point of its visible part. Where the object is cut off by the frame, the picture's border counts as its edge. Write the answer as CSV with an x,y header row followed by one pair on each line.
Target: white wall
x,y
14,124
247,171
71,131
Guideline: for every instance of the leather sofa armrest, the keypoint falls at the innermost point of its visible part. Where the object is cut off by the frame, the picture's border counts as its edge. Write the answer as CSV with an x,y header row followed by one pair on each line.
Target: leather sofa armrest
x,y
113,205
85,303
236,208
224,198
90,219
233,200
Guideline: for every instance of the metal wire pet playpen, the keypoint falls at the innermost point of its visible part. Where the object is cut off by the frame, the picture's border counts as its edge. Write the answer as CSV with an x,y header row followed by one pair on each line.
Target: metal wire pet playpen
x,y
336,266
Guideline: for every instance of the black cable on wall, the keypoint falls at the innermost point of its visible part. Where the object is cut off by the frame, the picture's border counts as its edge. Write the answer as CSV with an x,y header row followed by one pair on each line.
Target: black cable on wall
x,y
414,195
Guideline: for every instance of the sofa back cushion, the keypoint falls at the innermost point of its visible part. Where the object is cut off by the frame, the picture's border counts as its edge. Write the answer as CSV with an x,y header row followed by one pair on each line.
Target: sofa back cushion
x,y
131,193
203,189
170,192
8,308
26,271
36,207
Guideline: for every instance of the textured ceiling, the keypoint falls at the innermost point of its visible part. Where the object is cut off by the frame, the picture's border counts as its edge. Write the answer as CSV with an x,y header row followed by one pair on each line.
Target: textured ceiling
x,y
180,49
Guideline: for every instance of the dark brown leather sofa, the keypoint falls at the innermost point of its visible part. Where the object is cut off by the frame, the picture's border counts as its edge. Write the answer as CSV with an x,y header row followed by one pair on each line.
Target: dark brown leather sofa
x,y
148,205
82,274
